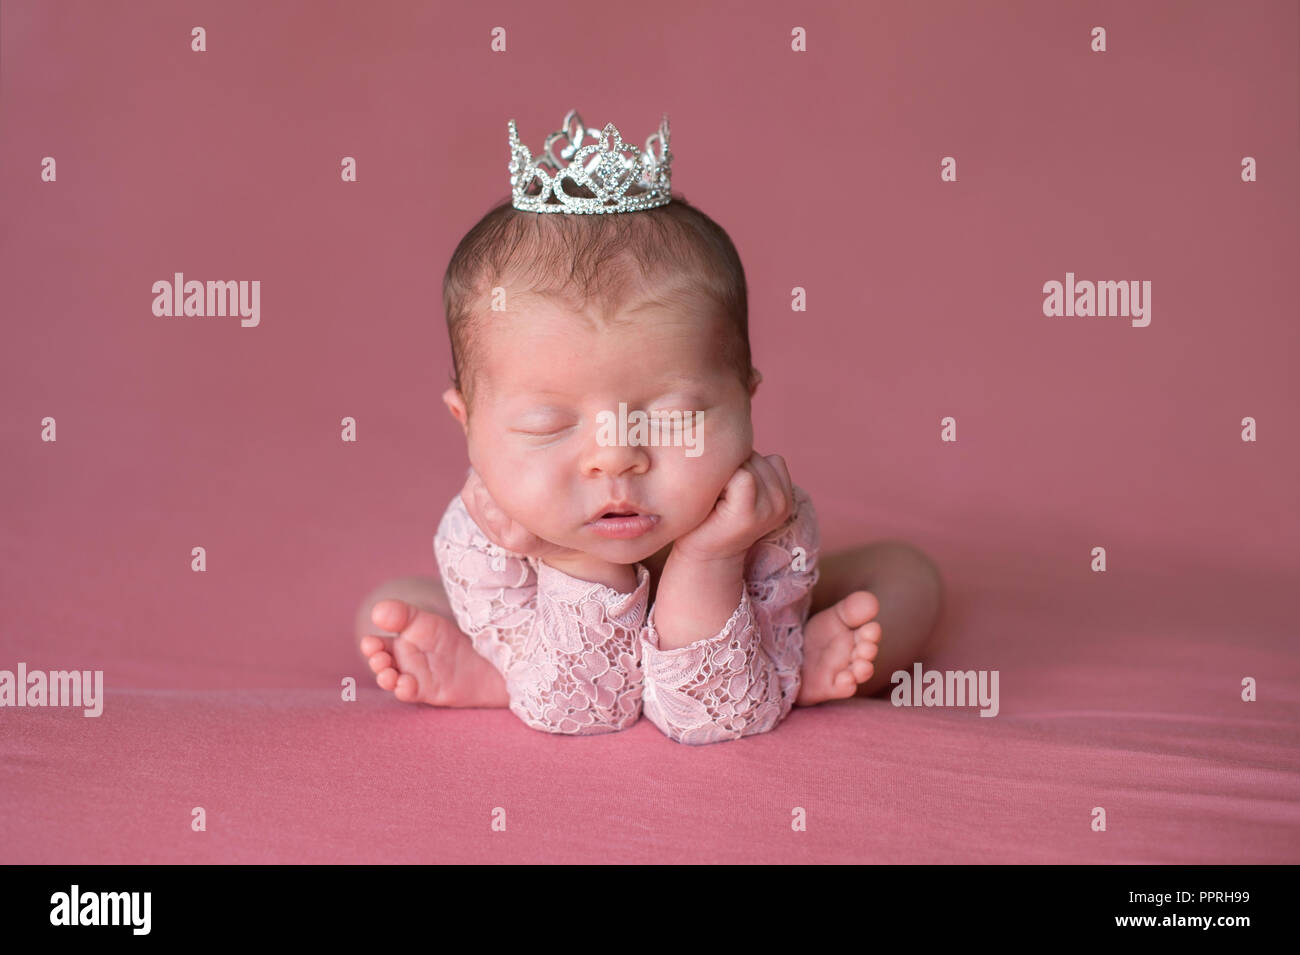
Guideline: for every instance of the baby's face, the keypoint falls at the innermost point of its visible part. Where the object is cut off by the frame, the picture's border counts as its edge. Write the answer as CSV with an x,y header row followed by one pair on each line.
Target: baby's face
x,y
545,373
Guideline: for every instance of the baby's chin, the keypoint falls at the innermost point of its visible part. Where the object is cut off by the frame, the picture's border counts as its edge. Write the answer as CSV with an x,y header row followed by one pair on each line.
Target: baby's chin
x,y
622,552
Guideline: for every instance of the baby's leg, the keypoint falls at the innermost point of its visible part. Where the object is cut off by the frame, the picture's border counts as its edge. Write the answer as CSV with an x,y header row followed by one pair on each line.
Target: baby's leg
x,y
909,591
427,659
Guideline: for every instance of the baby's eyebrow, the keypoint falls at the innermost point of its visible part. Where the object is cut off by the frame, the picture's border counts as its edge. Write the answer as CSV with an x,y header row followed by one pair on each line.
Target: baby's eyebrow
x,y
690,381
671,383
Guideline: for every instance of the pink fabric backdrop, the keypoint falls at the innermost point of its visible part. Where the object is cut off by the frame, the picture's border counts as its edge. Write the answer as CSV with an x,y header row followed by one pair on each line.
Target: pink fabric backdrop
x,y
1118,689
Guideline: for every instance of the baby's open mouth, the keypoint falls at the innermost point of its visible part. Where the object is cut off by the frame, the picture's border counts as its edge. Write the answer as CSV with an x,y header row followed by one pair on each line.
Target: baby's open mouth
x,y
613,510
622,524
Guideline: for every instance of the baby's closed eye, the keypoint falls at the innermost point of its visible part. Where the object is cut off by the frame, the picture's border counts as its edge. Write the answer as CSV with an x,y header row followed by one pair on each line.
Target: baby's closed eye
x,y
542,433
543,424
665,417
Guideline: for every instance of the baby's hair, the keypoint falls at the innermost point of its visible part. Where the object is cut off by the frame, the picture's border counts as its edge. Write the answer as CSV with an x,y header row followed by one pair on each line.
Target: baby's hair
x,y
581,258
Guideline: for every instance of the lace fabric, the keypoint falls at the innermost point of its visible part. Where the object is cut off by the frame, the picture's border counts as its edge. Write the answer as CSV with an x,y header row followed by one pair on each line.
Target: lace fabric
x,y
581,658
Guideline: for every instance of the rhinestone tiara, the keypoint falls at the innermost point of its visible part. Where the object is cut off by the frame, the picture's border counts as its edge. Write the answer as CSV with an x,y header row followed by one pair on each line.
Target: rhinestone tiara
x,y
619,176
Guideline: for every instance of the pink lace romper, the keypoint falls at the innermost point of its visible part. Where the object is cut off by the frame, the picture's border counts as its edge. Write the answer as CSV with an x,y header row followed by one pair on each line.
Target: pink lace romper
x,y
581,658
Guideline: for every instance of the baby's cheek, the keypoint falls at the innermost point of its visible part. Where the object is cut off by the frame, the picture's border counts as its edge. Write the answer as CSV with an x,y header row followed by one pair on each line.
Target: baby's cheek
x,y
697,482
731,449
537,496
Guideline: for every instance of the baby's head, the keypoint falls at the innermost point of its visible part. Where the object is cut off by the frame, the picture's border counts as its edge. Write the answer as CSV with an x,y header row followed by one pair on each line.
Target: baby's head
x,y
645,308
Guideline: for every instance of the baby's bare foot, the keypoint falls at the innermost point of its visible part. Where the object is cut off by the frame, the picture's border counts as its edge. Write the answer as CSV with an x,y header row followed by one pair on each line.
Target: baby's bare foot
x,y
838,646
430,660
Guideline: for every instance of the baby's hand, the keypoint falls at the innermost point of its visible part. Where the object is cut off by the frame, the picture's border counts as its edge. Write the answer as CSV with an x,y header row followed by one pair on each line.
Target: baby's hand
x,y
757,500
501,528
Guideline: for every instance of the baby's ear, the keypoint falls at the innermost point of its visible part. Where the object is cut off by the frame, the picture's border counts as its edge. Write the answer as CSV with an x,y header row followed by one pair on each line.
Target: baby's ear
x,y
455,403
755,376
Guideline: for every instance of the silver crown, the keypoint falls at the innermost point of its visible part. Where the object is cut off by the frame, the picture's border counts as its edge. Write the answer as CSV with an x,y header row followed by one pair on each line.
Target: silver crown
x,y
608,167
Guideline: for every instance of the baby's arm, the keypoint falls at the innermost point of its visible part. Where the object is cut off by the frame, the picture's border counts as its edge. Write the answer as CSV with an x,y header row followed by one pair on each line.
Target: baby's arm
x,y
566,647
745,677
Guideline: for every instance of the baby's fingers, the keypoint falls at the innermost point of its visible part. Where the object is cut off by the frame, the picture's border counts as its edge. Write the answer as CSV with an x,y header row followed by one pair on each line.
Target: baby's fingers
x,y
476,497
775,478
783,472
485,512
741,490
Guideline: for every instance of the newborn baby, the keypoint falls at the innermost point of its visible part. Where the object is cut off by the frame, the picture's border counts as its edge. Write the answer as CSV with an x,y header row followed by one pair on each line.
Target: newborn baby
x,y
587,580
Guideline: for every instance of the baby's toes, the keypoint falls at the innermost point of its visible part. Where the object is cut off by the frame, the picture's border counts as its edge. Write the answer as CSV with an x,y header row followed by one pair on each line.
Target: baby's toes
x,y
414,663
862,670
382,658
406,689
857,608
387,679
866,641
393,615
379,655
844,685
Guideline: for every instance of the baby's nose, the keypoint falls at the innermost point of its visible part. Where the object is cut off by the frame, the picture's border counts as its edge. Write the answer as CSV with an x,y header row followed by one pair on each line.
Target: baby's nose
x,y
606,454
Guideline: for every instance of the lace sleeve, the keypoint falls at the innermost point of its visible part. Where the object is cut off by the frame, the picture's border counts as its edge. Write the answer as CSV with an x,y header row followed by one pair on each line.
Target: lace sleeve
x,y
745,679
566,647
